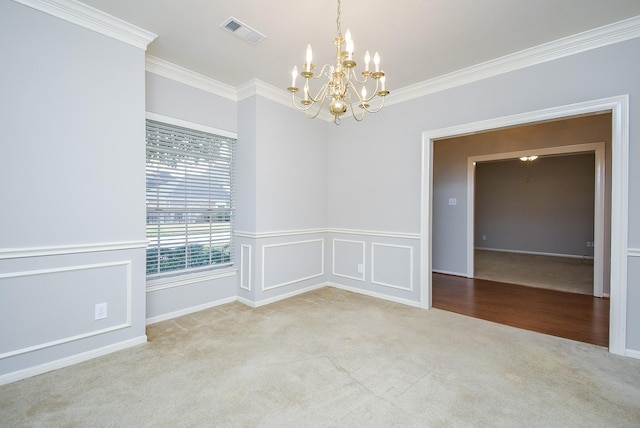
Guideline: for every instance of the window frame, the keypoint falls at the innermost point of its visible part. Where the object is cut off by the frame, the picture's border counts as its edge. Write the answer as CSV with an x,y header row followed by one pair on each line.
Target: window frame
x,y
179,277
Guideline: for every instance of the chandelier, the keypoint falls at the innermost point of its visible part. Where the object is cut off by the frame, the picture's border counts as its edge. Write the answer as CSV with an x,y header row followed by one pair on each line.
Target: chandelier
x,y
340,90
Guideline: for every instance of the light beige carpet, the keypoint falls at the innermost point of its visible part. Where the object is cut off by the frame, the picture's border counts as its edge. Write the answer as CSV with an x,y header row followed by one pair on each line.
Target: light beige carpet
x,y
330,358
556,273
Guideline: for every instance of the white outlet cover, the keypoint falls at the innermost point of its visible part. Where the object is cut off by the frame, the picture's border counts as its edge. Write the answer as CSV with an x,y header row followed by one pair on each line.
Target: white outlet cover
x,y
453,201
100,311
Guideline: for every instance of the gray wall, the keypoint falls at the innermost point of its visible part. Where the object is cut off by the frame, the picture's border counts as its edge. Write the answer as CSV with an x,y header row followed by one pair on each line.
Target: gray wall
x,y
72,223
544,206
281,201
172,297
174,99
374,179
316,203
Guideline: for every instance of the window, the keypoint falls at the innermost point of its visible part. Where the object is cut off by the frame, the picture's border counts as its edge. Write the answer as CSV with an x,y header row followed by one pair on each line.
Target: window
x,y
190,189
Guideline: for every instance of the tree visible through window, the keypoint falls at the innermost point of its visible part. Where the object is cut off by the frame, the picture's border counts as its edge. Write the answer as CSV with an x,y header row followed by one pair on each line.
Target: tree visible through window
x,y
189,200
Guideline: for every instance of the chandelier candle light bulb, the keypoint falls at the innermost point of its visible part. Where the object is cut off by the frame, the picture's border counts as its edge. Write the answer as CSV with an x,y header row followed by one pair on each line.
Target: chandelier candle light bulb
x,y
340,91
309,58
294,74
349,45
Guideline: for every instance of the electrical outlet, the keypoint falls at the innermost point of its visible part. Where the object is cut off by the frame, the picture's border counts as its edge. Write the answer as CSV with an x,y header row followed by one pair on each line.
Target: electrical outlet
x,y
100,311
589,244
484,237
360,268
453,201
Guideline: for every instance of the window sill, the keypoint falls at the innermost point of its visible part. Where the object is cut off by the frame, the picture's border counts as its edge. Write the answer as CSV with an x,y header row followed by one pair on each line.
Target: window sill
x,y
186,279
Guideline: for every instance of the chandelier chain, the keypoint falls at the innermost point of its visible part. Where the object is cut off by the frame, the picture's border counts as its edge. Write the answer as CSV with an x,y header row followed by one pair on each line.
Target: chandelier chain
x,y
338,23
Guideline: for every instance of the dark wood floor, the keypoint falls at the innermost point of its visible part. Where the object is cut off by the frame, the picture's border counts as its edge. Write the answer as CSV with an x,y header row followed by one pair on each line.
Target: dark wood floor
x,y
573,316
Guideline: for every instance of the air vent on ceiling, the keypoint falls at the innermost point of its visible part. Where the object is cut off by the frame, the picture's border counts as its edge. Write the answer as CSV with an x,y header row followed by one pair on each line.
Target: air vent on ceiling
x,y
242,30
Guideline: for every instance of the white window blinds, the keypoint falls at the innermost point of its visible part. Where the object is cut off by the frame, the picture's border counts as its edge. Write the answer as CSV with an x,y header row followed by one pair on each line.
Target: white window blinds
x,y
190,183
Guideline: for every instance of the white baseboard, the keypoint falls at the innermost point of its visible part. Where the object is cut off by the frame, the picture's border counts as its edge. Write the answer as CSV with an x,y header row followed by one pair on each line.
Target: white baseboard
x,y
190,310
632,353
536,253
68,361
376,295
444,272
264,302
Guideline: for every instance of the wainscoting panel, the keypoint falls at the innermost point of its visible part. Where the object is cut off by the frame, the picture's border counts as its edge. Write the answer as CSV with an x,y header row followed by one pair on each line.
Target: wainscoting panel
x,y
245,267
392,266
349,259
291,262
633,295
39,318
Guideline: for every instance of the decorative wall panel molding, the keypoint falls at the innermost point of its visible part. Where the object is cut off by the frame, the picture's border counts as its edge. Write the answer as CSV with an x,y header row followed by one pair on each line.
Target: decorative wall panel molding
x,y
245,267
392,266
291,262
349,259
85,284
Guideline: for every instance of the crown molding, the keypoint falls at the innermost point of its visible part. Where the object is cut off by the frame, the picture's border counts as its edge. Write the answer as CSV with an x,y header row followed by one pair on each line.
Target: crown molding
x,y
93,19
263,89
273,93
592,39
180,74
571,45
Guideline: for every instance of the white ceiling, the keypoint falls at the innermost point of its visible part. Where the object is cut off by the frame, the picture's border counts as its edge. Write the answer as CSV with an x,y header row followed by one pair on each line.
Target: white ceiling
x,y
417,39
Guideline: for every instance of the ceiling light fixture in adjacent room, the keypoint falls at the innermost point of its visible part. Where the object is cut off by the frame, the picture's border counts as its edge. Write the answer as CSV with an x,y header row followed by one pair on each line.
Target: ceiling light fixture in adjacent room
x,y
528,158
340,90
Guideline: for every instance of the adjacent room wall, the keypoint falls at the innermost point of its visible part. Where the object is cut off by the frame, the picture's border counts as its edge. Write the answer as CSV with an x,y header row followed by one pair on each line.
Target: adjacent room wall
x,y
544,206
72,223
450,177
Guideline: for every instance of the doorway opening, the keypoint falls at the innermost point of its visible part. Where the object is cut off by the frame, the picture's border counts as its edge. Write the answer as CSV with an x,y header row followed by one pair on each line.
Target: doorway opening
x,y
618,107
548,219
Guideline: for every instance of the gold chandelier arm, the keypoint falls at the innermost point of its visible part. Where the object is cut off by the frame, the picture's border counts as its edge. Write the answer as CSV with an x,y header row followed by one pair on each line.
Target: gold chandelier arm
x,y
355,77
322,73
320,95
295,105
353,112
357,94
311,103
313,116
366,107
